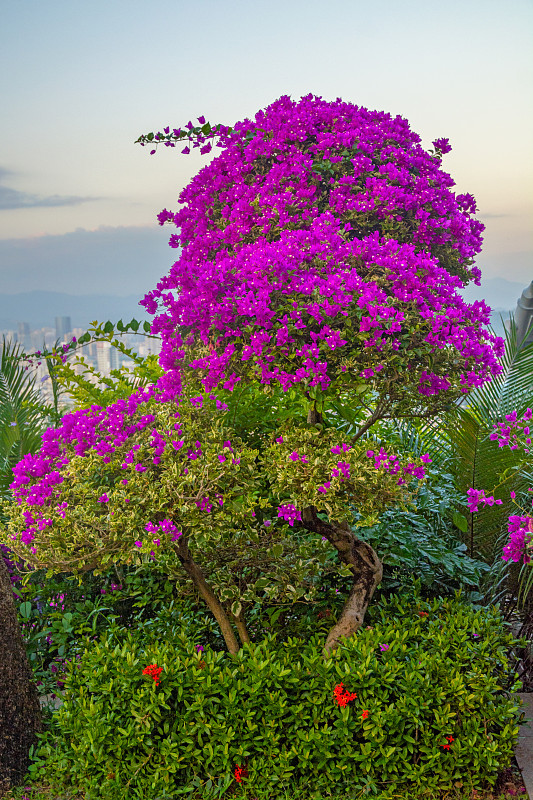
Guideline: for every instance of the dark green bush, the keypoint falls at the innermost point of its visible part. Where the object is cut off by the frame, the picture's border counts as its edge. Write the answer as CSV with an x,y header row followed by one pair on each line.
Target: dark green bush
x,y
423,673
425,542
57,613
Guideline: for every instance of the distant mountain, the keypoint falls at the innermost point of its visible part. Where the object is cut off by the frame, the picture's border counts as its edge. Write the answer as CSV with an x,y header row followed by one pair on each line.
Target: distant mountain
x,y
39,309
499,293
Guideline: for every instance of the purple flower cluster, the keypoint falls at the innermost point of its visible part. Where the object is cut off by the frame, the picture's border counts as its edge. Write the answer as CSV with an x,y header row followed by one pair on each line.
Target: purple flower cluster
x,y
166,527
520,543
289,513
442,145
507,433
477,496
313,213
107,432
514,432
391,463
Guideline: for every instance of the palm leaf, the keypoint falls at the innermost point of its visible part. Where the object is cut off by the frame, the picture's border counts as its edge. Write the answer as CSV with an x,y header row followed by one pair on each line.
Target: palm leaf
x,y
459,441
23,414
478,462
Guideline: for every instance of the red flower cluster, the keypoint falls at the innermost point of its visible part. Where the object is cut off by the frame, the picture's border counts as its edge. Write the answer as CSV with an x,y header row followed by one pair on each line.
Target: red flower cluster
x,y
423,614
240,772
342,695
365,714
449,739
154,672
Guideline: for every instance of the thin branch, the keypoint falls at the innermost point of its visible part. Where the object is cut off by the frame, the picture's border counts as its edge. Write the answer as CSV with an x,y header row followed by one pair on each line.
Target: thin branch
x,y
368,424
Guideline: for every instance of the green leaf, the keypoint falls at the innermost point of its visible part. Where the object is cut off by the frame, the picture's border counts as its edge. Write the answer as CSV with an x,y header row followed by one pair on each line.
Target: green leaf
x,y
274,616
236,608
25,609
460,521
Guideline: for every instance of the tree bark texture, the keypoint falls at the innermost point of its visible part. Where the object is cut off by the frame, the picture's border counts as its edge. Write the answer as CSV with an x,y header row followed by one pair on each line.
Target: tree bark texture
x,y
242,630
20,711
194,571
366,568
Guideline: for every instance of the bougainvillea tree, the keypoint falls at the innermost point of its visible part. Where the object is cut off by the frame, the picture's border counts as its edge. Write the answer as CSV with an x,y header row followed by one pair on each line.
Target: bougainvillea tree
x,y
322,254
151,478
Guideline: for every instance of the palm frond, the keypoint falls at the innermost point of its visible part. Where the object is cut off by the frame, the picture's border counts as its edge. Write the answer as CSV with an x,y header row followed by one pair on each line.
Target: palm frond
x,y
23,414
459,442
478,462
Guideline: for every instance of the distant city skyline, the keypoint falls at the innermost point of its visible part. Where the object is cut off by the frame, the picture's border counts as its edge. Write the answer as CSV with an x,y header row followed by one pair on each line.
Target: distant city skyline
x,y
29,316
100,356
78,200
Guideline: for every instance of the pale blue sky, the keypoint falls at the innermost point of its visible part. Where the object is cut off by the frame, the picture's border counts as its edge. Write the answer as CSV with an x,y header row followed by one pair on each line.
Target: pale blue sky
x,y
81,80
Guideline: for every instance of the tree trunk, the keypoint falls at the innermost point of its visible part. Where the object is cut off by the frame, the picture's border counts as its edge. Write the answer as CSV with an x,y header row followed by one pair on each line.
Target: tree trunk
x,y
367,571
206,593
242,630
20,711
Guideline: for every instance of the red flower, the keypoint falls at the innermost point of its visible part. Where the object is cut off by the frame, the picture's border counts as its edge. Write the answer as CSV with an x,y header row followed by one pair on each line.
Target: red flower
x,y
423,613
240,772
154,672
342,695
449,739
365,714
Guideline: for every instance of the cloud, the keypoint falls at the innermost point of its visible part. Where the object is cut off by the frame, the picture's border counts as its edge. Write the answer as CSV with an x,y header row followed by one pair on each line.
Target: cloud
x,y
12,198
488,215
121,261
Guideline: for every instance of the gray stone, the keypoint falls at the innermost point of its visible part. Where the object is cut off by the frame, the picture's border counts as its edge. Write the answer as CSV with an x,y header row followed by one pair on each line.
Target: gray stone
x,y
524,748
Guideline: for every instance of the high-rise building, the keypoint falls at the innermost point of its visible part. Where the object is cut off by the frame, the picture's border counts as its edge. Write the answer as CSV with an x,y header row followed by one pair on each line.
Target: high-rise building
x,y
106,357
24,335
63,327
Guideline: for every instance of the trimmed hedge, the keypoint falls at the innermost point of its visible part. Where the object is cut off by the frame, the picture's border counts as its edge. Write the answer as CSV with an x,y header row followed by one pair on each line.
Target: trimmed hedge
x,y
433,681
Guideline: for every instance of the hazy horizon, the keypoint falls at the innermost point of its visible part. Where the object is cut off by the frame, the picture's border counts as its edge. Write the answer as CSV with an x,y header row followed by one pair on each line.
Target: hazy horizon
x,y
78,199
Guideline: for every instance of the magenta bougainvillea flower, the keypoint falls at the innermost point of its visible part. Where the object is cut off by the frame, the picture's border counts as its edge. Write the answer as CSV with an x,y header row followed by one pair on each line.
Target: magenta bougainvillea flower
x,y
314,214
514,432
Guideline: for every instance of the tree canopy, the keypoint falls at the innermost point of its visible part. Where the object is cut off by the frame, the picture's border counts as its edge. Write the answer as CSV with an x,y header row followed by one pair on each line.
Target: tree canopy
x,y
322,254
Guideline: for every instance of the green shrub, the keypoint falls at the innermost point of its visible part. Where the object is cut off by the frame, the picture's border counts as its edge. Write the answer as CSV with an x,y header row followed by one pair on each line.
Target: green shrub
x,y
57,613
424,541
423,673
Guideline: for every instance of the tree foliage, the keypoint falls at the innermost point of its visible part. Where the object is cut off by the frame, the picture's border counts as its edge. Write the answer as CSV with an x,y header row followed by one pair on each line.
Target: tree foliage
x,y
317,286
